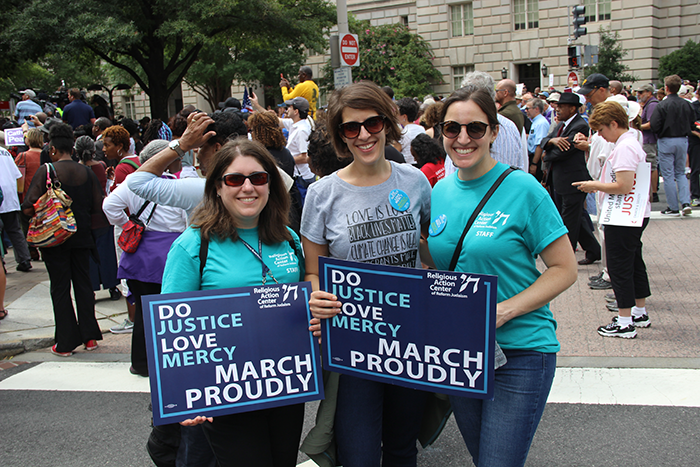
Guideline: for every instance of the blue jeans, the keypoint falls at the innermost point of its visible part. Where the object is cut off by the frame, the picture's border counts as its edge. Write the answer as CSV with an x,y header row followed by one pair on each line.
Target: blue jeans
x,y
498,433
672,156
377,422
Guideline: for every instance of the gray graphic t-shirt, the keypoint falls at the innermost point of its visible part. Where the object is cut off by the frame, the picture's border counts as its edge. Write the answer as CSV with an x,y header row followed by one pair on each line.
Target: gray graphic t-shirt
x,y
362,223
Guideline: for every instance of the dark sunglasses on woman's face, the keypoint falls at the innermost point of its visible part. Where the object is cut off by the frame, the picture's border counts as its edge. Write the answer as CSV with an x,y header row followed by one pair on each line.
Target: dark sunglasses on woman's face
x,y
373,125
475,130
256,178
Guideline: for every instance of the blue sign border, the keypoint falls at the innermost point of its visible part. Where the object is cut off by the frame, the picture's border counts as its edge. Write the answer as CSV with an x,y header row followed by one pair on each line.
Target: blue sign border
x,y
152,301
327,264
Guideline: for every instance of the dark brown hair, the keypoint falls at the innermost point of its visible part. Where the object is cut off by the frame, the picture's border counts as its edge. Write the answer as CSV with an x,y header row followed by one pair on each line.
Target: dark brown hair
x,y
431,116
212,217
362,95
119,136
673,83
481,97
265,128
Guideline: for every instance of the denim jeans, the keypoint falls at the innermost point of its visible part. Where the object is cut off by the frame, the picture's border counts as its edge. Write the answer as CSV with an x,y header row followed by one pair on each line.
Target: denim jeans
x,y
377,422
498,433
672,156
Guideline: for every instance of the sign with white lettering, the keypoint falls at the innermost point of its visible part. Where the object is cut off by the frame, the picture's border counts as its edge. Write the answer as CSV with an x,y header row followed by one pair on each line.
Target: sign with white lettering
x,y
627,210
219,352
349,50
428,330
14,137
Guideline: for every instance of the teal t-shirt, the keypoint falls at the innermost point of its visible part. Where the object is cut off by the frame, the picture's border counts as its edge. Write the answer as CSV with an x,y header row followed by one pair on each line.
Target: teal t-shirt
x,y
516,224
229,264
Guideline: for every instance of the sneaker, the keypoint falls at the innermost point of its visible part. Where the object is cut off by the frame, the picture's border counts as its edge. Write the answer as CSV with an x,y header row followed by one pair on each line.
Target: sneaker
x,y
601,284
695,203
614,330
91,345
654,197
686,209
612,306
670,213
24,266
610,297
597,277
60,354
125,327
638,321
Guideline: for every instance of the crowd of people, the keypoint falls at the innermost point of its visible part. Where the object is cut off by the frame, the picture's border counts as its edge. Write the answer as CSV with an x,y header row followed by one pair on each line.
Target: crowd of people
x,y
226,182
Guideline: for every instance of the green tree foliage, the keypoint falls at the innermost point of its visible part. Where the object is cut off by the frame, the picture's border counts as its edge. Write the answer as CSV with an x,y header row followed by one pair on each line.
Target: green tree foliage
x,y
684,62
218,66
157,41
610,55
391,55
52,71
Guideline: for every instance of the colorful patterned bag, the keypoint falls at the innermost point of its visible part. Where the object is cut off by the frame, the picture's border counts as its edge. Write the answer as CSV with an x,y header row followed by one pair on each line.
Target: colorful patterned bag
x,y
53,221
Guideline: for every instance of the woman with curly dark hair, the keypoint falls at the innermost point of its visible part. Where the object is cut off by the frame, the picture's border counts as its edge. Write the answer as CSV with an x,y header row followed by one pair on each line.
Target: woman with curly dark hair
x,y
323,159
264,128
430,158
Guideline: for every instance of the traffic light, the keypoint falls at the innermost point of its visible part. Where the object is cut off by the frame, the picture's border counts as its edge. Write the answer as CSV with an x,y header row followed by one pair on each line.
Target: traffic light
x,y
573,57
578,21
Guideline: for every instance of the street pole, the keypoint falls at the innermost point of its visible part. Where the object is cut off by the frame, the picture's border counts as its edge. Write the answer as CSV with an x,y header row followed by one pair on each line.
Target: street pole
x,y
342,9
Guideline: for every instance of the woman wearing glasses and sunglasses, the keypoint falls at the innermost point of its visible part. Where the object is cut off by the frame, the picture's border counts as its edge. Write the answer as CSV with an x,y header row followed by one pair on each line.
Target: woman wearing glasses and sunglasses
x,y
244,217
518,223
373,421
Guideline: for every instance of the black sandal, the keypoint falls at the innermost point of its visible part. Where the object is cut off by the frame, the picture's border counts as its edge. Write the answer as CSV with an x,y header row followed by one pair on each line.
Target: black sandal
x,y
3,313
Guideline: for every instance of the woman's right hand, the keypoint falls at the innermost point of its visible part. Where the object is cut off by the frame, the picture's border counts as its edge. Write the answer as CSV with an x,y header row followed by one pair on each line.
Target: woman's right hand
x,y
196,421
323,304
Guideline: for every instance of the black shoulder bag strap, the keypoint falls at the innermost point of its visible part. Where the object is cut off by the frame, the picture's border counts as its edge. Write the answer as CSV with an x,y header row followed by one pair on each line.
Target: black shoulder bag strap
x,y
204,253
494,187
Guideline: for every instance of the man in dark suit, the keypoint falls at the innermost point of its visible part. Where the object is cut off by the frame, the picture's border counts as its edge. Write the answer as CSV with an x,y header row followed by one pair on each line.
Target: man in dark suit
x,y
567,165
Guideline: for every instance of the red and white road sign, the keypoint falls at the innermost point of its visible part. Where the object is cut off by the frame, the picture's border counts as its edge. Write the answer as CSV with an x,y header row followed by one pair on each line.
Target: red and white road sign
x,y
573,79
349,50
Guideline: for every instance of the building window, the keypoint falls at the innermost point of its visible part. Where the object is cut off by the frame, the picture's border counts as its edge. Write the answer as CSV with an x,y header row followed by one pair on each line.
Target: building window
x,y
597,10
404,20
462,18
458,74
526,14
130,107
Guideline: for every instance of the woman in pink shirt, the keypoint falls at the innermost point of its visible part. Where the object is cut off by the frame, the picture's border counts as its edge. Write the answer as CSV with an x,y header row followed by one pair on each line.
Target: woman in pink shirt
x,y
623,245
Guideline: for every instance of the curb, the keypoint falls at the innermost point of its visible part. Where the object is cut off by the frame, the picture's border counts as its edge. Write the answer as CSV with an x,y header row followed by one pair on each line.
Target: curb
x,y
10,349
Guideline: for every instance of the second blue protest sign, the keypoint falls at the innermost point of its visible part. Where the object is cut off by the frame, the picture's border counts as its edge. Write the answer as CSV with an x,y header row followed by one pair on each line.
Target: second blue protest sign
x,y
428,330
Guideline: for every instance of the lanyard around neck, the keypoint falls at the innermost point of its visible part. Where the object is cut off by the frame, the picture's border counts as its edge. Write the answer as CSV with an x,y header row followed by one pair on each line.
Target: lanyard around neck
x,y
258,254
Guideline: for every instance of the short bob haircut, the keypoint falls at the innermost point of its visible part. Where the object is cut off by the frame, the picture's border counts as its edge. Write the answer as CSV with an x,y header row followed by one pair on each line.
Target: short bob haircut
x,y
212,217
480,96
607,112
119,136
35,138
364,95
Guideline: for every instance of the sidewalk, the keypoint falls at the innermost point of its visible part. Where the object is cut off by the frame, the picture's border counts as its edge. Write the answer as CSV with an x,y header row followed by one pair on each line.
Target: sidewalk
x,y
672,341
29,325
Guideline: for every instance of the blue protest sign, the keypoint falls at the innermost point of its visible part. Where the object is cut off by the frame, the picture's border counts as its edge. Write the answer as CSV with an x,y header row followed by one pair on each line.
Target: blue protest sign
x,y
219,352
428,330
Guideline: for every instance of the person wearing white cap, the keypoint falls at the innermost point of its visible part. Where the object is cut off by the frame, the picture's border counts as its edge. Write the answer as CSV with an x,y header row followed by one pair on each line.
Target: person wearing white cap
x,y
27,107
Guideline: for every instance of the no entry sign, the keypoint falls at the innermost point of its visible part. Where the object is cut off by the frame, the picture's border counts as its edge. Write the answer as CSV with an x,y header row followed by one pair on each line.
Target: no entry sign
x,y
349,50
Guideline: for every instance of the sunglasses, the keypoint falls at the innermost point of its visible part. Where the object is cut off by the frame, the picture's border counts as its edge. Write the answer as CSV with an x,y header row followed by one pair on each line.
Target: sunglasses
x,y
256,178
475,130
373,125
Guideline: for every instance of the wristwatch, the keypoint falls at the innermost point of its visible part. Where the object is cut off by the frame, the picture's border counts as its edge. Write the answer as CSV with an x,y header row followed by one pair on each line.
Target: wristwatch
x,y
175,146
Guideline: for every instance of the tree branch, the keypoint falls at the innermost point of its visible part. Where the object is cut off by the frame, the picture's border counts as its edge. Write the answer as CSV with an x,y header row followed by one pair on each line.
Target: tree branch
x,y
121,66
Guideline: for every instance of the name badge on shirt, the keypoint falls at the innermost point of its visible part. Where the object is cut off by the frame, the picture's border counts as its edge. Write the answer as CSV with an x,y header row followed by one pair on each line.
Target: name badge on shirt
x,y
438,225
399,200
